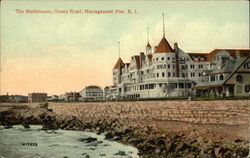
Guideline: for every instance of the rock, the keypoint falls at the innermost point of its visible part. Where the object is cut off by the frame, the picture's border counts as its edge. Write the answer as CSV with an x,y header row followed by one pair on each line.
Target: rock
x,y
122,153
43,105
8,126
181,146
135,141
202,154
108,135
169,147
26,125
157,151
161,142
219,152
115,138
88,140
237,141
190,155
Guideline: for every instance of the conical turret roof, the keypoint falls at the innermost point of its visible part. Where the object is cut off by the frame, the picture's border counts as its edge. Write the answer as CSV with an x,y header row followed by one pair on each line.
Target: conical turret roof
x,y
148,45
118,64
164,46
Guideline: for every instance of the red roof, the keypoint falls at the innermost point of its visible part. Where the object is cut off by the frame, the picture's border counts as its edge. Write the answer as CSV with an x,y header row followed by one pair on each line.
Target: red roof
x,y
163,46
232,52
118,64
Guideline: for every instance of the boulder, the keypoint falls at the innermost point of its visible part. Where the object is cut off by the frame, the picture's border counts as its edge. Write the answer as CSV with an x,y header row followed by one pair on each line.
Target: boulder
x,y
122,153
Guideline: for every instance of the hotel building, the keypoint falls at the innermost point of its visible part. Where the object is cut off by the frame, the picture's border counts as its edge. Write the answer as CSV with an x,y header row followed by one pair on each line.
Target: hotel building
x,y
165,72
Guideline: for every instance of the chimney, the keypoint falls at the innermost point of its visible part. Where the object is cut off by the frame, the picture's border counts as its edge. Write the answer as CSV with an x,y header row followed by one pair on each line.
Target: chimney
x,y
176,59
155,48
237,53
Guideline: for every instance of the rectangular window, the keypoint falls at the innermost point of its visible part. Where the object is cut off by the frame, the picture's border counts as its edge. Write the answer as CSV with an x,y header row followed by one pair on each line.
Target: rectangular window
x,y
212,78
163,74
168,66
162,58
168,58
157,74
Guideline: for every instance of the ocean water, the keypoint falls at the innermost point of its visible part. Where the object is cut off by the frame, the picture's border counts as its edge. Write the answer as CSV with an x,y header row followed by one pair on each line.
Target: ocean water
x,y
18,142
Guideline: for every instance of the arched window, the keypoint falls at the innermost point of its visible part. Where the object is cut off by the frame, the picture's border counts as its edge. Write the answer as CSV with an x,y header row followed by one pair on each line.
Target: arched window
x,y
239,78
221,77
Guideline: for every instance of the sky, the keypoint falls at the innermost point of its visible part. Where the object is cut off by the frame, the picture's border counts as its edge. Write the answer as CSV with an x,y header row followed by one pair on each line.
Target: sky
x,y
62,52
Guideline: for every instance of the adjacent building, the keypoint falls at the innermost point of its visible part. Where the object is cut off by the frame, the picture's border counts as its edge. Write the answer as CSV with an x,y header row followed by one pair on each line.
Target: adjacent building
x,y
92,93
37,97
72,96
4,98
232,79
18,98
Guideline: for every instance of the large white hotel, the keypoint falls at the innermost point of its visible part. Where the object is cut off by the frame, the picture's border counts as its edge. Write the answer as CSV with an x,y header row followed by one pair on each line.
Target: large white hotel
x,y
163,72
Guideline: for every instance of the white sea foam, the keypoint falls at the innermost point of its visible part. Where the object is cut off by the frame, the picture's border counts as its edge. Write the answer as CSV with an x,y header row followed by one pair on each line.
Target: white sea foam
x,y
36,143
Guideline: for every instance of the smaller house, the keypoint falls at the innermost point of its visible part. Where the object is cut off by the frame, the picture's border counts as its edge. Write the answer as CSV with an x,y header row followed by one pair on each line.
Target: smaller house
x,y
52,98
4,98
110,93
233,79
72,96
18,98
37,97
92,93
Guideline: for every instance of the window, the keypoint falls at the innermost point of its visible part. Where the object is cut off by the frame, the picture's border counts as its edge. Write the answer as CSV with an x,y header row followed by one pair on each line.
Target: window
x,y
247,88
247,65
173,74
168,66
162,58
239,78
183,74
191,66
157,74
156,59
168,58
221,77
239,89
163,74
181,85
192,74
151,86
169,74
212,78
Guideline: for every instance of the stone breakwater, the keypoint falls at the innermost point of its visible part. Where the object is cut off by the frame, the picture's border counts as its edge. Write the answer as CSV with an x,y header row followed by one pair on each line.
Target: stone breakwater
x,y
155,128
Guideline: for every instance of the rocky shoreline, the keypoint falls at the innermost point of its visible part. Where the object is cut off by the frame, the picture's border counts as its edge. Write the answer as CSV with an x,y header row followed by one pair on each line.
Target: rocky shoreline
x,y
140,133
